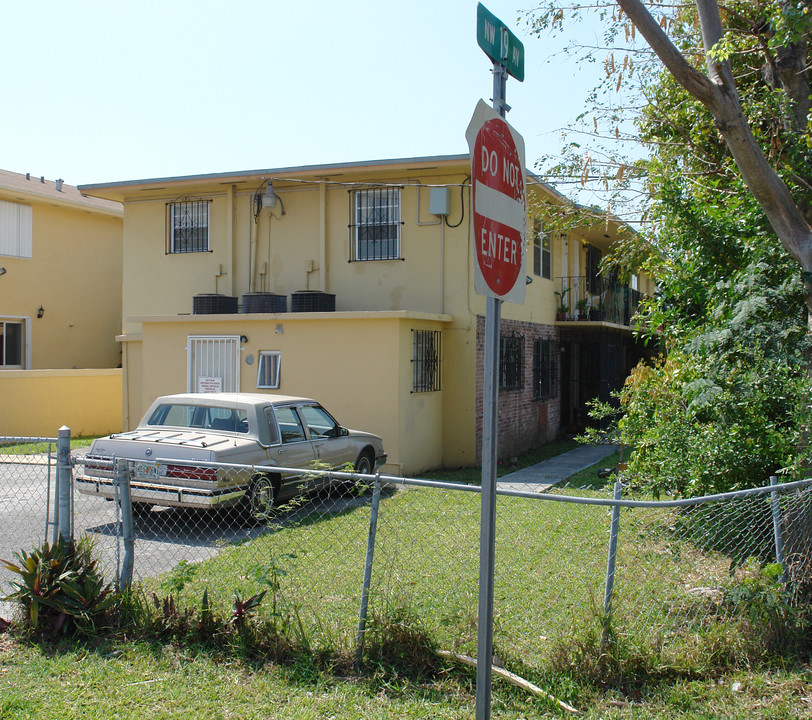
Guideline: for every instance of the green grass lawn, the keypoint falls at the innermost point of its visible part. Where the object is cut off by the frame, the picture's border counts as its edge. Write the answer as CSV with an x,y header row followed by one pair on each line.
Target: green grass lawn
x,y
146,681
37,448
550,565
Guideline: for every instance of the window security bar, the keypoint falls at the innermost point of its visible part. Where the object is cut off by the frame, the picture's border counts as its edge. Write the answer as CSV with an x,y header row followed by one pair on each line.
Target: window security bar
x,y
375,225
426,360
187,226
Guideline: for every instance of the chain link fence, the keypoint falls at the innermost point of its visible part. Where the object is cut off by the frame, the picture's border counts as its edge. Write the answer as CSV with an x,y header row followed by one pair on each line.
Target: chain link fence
x,y
27,484
572,566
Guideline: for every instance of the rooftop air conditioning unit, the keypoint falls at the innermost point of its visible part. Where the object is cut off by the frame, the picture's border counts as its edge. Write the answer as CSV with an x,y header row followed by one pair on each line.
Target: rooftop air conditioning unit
x,y
214,304
312,301
264,302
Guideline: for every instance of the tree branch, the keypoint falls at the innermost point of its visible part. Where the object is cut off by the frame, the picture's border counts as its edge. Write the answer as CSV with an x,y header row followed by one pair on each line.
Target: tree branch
x,y
718,94
685,74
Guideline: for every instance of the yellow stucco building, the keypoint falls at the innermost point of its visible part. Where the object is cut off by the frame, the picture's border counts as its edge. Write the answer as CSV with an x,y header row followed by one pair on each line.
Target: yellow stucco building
x,y
60,276
353,284
60,308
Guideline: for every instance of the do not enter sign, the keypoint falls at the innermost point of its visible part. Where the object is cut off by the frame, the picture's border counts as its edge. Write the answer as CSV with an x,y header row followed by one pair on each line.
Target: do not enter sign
x,y
499,205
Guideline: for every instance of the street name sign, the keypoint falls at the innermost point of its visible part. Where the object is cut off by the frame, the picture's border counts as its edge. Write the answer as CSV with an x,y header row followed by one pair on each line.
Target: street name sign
x,y
499,43
499,205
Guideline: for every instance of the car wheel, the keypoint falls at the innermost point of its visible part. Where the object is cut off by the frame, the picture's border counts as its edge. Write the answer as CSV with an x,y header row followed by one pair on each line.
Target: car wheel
x,y
261,499
363,466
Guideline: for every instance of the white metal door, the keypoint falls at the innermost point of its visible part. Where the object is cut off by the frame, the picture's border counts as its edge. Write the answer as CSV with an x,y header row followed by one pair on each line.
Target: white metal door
x,y
213,363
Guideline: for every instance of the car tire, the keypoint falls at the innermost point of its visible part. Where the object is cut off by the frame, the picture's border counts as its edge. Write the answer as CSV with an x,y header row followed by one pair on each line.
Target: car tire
x,y
363,466
260,500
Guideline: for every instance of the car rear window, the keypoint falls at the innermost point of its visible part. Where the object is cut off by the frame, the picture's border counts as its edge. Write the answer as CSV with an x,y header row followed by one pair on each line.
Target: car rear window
x,y
200,417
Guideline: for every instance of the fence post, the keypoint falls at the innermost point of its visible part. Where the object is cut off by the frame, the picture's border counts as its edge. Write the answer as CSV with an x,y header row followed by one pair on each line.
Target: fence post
x,y
122,482
610,564
362,616
63,517
775,502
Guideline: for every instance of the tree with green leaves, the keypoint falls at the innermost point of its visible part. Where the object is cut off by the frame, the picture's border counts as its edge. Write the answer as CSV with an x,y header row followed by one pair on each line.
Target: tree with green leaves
x,y
728,193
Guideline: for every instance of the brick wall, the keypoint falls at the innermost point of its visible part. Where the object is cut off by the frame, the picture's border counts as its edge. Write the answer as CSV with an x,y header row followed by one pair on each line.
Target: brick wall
x,y
523,421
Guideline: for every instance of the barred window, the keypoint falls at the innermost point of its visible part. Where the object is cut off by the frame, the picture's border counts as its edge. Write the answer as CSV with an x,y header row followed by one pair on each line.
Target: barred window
x,y
511,362
542,368
187,226
426,357
376,224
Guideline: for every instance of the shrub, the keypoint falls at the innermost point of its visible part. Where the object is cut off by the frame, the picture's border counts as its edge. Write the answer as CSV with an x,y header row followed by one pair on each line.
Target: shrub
x,y
769,619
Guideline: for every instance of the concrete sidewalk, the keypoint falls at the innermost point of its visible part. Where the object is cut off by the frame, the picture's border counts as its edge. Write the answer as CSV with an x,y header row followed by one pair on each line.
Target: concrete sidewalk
x,y
542,476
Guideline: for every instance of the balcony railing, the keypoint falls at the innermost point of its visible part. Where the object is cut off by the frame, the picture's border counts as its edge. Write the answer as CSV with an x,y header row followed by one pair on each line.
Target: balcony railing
x,y
596,299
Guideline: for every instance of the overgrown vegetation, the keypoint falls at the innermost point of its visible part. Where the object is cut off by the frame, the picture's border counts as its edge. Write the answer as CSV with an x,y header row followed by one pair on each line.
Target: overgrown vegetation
x,y
727,405
292,616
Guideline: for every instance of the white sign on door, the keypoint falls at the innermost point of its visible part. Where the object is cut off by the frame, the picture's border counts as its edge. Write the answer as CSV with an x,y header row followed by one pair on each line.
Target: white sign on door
x,y
209,384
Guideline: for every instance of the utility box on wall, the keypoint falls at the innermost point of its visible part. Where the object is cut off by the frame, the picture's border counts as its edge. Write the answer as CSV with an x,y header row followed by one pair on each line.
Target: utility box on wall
x,y
439,201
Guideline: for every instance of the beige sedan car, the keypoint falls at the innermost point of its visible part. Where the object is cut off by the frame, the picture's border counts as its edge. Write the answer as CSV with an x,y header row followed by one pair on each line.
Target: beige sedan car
x,y
182,449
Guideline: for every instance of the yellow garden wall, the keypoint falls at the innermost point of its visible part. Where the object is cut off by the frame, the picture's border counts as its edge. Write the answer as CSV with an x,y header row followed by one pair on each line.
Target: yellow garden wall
x,y
36,403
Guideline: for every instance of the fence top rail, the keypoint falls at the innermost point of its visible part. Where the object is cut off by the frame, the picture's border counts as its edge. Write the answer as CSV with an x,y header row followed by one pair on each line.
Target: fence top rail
x,y
440,485
782,487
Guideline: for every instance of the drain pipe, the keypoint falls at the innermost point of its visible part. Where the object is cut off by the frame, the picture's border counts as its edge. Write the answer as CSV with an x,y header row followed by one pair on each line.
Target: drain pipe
x,y
438,221
322,237
252,249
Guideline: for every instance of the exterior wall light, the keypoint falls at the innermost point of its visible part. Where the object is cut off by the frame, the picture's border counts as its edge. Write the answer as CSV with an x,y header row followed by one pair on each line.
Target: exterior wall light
x,y
266,199
40,312
270,198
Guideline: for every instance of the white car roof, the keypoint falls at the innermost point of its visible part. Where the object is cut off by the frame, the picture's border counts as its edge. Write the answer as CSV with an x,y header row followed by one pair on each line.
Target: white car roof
x,y
230,398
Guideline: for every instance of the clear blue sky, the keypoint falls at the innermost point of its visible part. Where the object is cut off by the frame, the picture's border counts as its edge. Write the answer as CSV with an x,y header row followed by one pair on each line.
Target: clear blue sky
x,y
99,91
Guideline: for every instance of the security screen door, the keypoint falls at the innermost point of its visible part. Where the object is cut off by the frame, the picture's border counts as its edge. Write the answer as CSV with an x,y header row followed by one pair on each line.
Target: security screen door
x,y
213,363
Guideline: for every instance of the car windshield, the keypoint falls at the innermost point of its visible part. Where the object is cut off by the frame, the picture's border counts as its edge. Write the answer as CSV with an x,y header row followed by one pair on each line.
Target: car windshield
x,y
200,417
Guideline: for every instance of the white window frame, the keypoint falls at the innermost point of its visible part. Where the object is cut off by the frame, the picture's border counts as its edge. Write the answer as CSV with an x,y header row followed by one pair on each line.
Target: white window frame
x,y
542,248
274,357
216,358
25,342
16,229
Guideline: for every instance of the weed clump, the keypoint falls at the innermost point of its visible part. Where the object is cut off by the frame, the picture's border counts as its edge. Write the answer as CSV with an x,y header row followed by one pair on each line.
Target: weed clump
x,y
397,643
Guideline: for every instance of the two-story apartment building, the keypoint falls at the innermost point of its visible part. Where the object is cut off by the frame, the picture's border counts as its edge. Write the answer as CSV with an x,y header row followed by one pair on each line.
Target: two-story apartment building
x,y
353,284
60,308
60,276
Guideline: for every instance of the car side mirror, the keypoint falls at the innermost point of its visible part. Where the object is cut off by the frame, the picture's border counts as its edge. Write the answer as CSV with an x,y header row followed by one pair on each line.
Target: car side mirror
x,y
342,432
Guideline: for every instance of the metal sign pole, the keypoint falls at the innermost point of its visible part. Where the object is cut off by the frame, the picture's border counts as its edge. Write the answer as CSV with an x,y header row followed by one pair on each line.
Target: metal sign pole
x,y
493,312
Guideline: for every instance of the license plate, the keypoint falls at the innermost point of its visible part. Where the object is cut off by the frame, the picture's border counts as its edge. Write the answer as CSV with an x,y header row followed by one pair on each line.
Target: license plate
x,y
145,470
